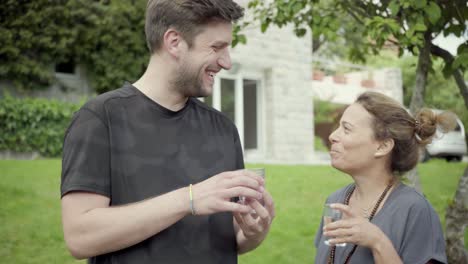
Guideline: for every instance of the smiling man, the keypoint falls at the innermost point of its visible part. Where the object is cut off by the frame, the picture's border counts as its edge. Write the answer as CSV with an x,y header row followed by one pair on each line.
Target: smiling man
x,y
150,174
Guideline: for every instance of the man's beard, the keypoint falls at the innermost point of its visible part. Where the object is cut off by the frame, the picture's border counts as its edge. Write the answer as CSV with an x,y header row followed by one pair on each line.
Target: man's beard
x,y
189,82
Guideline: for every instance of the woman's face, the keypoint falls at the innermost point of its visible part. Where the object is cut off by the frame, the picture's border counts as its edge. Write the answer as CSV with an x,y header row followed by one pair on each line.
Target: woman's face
x,y
353,145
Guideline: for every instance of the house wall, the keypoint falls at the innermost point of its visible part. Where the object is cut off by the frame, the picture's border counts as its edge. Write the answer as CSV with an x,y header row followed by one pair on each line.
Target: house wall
x,y
285,62
387,81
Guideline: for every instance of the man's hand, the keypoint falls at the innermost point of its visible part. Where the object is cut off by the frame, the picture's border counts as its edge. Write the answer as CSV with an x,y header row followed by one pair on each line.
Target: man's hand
x,y
253,227
214,194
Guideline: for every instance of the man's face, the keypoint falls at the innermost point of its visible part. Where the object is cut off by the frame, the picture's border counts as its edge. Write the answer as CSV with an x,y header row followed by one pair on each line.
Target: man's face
x,y
207,56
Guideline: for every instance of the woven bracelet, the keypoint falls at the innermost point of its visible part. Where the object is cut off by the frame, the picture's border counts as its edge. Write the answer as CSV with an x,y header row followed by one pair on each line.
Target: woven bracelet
x,y
192,208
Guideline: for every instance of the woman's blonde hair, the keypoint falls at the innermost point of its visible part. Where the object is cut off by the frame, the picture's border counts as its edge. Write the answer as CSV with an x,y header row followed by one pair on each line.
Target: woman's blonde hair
x,y
410,134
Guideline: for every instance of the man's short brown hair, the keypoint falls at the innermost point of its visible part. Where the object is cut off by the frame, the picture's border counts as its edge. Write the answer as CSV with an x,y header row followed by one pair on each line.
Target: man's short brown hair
x,y
186,16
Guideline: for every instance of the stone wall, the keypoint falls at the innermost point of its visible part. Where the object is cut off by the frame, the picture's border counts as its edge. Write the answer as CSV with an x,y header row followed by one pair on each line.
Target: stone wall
x,y
285,62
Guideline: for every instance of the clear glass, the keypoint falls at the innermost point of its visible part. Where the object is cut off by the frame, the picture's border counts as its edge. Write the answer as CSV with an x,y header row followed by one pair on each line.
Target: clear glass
x,y
331,215
260,172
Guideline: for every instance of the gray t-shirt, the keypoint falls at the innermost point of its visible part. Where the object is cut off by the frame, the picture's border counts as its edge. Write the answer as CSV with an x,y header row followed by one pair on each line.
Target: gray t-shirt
x,y
125,146
408,220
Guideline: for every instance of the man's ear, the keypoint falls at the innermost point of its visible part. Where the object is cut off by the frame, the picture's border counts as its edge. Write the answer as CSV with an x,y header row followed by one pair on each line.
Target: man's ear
x,y
173,42
385,147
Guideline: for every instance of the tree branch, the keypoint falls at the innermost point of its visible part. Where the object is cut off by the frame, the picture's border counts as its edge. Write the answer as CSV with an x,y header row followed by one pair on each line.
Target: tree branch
x,y
457,75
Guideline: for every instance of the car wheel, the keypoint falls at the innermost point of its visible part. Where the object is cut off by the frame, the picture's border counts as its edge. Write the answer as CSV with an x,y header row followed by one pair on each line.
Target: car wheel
x,y
453,158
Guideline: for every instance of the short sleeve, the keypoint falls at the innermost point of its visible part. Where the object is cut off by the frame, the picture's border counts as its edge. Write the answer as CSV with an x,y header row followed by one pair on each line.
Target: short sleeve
x,y
423,237
239,154
86,161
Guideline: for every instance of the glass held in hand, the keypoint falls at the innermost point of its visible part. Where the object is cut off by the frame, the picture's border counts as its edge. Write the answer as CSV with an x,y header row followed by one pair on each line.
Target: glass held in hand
x,y
260,172
331,215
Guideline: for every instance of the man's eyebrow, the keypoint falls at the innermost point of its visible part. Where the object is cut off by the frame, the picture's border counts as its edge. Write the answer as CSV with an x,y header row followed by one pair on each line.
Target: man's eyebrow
x,y
221,43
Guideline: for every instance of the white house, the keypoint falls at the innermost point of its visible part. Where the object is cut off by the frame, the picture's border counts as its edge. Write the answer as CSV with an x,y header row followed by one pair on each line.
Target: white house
x,y
267,94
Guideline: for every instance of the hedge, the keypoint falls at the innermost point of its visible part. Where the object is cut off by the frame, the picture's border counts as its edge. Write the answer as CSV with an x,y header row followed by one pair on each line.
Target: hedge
x,y
34,125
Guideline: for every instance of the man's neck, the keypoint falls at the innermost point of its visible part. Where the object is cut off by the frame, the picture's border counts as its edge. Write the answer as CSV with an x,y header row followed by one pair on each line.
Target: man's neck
x,y
155,84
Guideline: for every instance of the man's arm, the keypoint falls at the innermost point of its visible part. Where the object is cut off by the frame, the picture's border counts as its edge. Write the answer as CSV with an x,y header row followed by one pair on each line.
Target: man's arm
x,y
92,227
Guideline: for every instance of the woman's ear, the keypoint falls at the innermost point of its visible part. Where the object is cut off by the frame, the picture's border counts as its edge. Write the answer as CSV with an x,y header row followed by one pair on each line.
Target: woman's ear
x,y
173,42
385,147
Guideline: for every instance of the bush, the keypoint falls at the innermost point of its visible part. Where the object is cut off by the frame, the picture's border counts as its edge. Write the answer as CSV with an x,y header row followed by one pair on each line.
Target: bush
x,y
326,112
28,125
106,38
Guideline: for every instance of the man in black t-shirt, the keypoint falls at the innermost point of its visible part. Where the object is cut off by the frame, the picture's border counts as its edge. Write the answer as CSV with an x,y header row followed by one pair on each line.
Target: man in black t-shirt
x,y
149,173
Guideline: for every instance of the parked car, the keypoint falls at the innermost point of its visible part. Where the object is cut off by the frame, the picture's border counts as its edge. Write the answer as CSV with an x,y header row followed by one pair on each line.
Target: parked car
x,y
451,145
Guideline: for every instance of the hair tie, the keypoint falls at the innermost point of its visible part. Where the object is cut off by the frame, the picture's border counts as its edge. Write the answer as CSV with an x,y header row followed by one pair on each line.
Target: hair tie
x,y
417,126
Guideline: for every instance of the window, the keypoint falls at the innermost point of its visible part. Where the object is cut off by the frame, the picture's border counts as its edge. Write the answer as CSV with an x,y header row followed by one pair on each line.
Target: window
x,y
250,114
240,100
67,67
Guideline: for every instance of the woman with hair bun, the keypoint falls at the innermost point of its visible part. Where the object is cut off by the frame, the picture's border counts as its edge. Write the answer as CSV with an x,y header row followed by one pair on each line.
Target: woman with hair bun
x,y
384,220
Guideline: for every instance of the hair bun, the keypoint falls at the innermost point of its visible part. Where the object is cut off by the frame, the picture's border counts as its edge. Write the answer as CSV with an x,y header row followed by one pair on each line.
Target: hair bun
x,y
427,122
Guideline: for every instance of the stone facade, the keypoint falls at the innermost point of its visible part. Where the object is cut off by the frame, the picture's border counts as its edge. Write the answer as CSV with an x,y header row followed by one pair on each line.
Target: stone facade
x,y
285,62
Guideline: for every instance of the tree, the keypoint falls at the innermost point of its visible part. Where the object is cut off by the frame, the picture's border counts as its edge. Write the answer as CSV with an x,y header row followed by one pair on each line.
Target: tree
x,y
107,38
405,24
409,25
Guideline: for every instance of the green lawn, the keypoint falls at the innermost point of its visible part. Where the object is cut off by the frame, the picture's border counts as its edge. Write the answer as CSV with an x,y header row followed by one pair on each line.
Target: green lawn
x,y
30,209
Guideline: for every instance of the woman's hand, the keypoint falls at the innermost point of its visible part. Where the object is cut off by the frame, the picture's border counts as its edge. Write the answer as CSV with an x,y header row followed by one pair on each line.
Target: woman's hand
x,y
353,229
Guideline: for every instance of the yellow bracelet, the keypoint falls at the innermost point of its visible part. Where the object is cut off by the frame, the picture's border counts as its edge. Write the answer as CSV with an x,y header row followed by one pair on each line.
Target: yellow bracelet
x,y
192,208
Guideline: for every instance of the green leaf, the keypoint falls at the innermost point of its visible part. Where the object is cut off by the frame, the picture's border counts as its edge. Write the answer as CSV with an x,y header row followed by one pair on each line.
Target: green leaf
x,y
409,33
460,61
242,39
419,3
264,26
463,48
447,71
297,7
420,27
433,12
394,7
300,32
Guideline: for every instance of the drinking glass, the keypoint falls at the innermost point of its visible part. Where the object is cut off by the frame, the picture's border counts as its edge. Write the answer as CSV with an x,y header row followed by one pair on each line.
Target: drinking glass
x,y
260,172
331,215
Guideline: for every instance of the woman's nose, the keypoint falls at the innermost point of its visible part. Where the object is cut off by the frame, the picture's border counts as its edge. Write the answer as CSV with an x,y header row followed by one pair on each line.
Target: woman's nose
x,y
333,136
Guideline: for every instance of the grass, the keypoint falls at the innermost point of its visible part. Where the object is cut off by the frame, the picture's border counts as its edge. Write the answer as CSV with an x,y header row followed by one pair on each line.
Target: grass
x,y
30,209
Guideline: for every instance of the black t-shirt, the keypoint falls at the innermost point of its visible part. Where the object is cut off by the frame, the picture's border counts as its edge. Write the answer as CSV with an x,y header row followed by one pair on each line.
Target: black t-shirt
x,y
127,147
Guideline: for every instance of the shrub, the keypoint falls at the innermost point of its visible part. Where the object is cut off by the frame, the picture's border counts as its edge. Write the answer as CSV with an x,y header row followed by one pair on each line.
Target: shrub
x,y
326,112
28,125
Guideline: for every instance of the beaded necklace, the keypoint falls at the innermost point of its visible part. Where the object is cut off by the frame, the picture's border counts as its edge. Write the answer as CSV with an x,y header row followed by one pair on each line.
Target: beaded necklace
x,y
331,257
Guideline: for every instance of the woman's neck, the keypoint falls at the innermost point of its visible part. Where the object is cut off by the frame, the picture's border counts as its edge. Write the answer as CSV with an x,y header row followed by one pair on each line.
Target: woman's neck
x,y
369,186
